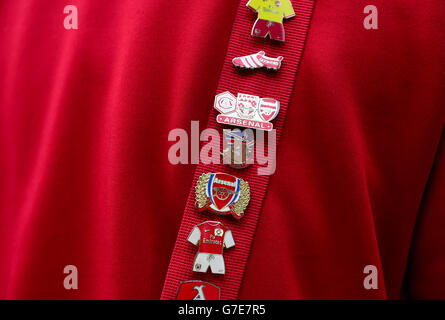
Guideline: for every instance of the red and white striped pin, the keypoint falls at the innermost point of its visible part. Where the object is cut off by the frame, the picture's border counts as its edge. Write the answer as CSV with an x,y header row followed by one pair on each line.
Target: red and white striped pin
x,y
258,60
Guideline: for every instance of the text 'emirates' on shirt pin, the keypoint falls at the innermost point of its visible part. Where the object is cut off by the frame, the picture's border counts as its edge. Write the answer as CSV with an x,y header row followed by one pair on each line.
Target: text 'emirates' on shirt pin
x,y
222,193
257,60
211,237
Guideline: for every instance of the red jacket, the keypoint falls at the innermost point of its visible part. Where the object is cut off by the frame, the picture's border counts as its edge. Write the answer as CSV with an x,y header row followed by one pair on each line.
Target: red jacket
x,y
84,175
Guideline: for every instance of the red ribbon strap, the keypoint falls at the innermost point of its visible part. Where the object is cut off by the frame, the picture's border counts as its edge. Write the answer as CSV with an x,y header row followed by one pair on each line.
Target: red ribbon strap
x,y
277,85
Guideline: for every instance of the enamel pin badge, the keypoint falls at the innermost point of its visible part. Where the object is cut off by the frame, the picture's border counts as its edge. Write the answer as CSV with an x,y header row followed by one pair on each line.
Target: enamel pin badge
x,y
238,148
257,60
270,17
212,237
222,194
198,290
246,110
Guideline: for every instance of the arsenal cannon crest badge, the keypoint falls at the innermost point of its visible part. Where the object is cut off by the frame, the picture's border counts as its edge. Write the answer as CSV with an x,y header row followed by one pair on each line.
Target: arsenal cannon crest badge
x,y
246,110
223,194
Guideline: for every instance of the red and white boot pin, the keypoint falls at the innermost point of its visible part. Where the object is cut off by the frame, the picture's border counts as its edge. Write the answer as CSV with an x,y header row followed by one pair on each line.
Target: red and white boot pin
x,y
257,60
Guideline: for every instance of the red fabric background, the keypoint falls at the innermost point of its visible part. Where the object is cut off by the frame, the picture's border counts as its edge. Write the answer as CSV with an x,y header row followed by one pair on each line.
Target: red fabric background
x,y
279,85
84,174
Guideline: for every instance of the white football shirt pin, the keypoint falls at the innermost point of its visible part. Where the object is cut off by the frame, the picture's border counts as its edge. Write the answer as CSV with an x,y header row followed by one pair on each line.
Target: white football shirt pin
x,y
211,237
246,110
256,61
222,194
198,290
238,148
270,17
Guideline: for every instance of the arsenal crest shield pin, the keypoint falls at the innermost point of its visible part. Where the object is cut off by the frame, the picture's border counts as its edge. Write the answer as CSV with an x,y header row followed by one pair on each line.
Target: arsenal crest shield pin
x,y
222,193
198,290
246,110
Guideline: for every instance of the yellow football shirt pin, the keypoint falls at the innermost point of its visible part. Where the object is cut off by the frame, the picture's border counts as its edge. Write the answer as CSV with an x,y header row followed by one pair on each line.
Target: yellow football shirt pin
x,y
270,17
222,193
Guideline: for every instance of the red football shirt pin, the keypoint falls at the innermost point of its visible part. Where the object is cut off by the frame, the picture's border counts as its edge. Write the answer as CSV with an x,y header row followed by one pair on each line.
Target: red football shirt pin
x,y
198,290
238,148
222,193
246,110
270,17
211,237
257,60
